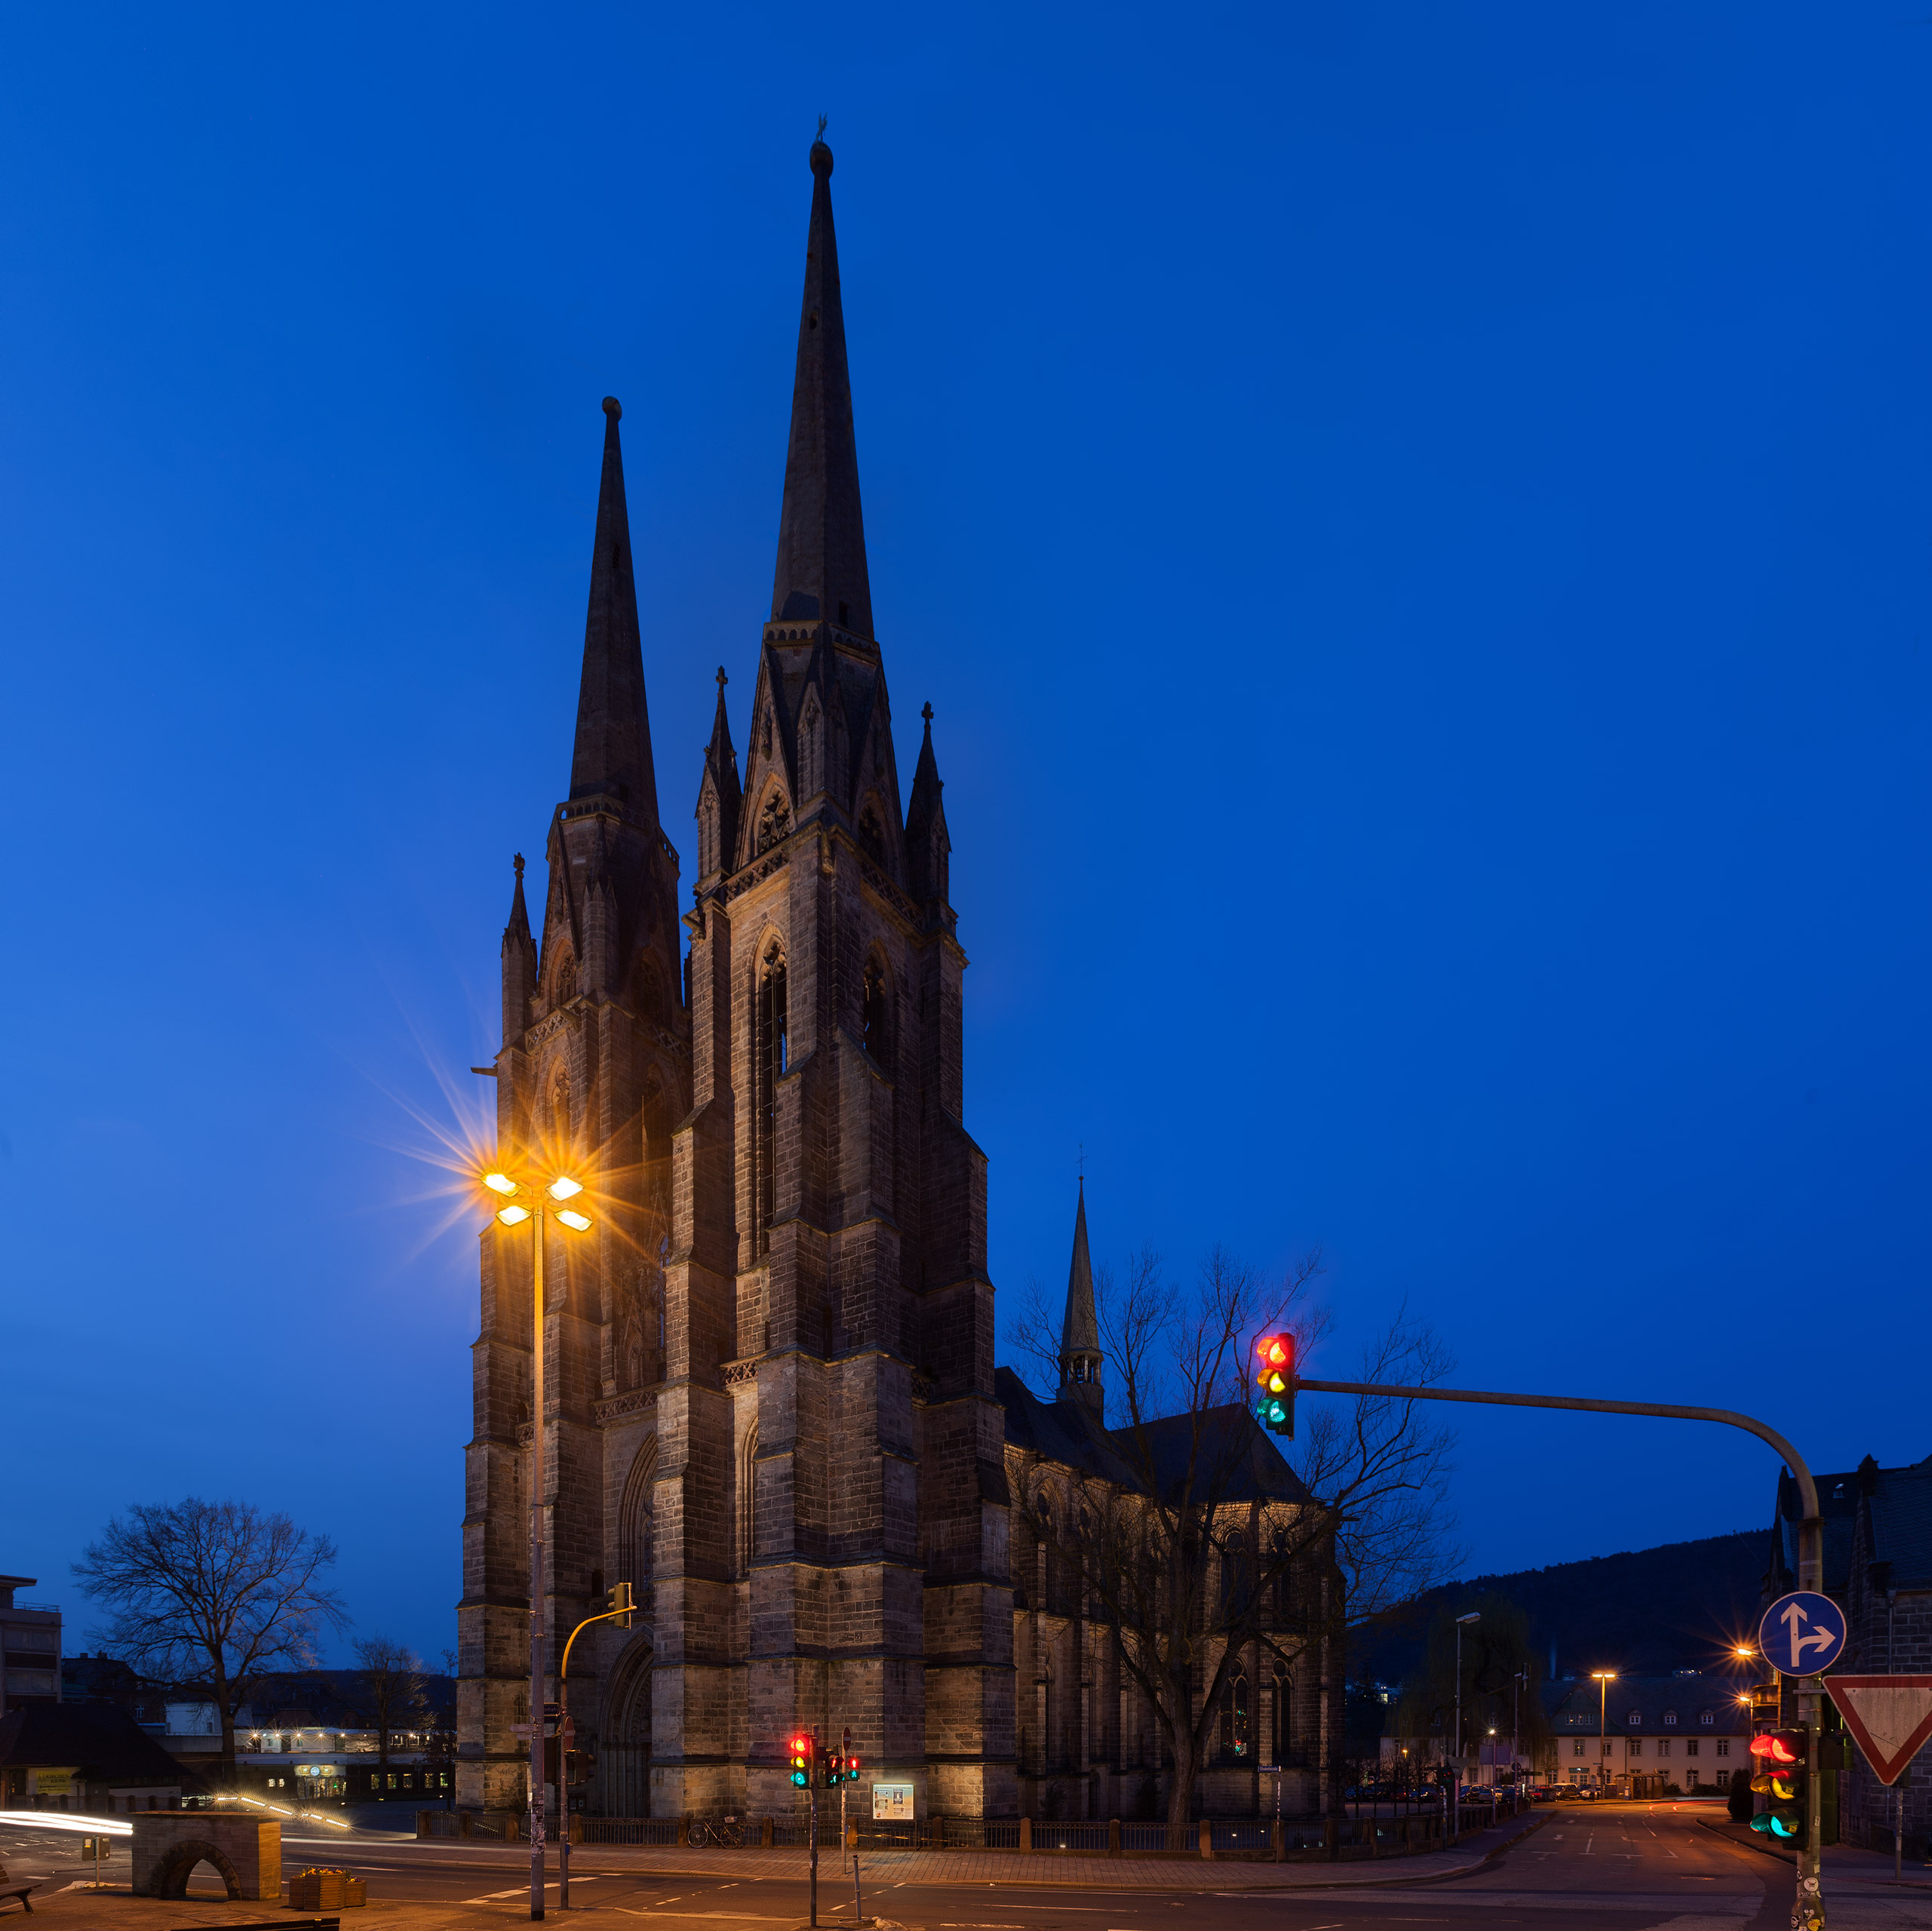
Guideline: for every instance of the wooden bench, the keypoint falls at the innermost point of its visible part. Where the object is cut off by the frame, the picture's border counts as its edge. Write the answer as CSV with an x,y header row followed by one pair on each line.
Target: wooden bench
x,y
8,1889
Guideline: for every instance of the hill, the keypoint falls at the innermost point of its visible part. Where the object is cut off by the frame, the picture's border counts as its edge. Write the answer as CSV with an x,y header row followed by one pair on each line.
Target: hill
x,y
1647,1612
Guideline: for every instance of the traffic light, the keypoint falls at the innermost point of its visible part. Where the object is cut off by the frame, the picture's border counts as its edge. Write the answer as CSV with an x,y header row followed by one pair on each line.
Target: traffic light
x,y
835,1772
1274,1378
1783,1780
801,1761
619,1602
579,1766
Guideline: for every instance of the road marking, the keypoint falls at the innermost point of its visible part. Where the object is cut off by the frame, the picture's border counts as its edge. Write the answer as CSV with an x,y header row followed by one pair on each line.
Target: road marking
x,y
521,1891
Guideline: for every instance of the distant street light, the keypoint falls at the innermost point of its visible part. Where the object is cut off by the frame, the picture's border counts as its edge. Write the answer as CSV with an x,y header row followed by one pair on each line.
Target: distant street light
x,y
1605,1677
514,1193
1456,1775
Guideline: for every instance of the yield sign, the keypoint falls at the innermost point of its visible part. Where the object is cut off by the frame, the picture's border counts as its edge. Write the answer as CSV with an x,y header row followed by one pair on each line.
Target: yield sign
x,y
1890,1716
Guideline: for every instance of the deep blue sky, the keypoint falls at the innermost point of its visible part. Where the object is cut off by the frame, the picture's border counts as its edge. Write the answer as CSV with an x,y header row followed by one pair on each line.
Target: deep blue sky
x,y
1415,523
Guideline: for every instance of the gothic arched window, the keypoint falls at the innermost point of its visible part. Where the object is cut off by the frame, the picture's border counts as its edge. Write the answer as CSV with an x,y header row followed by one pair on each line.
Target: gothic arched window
x,y
772,1050
560,1116
875,1006
774,820
563,983
871,836
1235,1737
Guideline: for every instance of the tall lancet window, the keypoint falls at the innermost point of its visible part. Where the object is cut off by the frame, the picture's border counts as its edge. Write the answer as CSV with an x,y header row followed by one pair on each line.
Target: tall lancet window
x,y
771,1062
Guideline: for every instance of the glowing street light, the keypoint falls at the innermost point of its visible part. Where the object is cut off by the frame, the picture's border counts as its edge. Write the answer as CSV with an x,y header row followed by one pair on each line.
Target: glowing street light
x,y
506,1187
1605,1677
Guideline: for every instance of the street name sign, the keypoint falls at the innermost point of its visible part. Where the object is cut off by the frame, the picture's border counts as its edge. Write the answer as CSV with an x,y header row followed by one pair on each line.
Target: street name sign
x,y
1802,1634
1889,1717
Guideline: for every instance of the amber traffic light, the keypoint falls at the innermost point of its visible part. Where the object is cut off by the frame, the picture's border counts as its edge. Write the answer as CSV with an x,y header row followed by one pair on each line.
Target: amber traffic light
x,y
1274,1384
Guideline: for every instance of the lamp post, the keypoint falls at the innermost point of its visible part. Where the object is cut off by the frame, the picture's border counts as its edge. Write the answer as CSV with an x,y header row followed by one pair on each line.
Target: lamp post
x,y
1456,1773
1605,1677
525,1200
1516,1730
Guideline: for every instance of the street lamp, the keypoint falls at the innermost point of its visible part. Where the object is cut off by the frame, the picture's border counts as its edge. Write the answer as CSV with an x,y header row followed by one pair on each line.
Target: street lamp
x,y
1605,1677
1456,1775
1517,1732
522,1200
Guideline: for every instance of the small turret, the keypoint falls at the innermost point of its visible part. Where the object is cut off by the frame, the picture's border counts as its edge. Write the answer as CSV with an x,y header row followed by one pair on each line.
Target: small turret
x,y
720,796
519,963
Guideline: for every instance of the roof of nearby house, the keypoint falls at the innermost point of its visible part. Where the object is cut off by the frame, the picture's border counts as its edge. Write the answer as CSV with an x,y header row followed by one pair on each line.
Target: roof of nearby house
x,y
101,1740
1901,1532
1232,1458
1647,1706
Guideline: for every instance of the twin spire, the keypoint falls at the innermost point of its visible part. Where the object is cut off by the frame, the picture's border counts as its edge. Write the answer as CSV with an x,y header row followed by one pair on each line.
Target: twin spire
x,y
613,753
821,571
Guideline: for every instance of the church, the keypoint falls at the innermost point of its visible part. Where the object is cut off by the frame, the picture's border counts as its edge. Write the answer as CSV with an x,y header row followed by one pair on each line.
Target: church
x,y
771,1404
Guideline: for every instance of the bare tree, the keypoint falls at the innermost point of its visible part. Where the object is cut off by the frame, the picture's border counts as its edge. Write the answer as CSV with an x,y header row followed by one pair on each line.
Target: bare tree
x,y
1193,1548
215,1591
392,1676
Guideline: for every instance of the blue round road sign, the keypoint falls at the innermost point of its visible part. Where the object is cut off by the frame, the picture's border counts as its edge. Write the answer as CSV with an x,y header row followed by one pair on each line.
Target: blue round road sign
x,y
1802,1633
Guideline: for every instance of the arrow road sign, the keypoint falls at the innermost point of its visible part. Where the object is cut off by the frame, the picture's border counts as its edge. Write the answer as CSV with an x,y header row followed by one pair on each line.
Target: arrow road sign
x,y
1890,1716
1802,1634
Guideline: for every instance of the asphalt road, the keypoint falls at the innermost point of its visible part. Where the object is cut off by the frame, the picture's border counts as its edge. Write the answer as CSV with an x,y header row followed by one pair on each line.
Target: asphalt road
x,y
1622,1867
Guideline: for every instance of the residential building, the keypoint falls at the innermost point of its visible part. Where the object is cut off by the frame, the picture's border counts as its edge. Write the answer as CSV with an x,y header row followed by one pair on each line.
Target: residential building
x,y
88,1757
29,1647
1687,1731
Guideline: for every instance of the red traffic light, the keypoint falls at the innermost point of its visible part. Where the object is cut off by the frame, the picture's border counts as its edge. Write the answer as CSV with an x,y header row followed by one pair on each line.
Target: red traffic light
x,y
1778,1747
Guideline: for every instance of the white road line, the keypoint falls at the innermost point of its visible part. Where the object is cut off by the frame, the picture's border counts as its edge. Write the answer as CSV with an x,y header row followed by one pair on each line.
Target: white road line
x,y
522,1891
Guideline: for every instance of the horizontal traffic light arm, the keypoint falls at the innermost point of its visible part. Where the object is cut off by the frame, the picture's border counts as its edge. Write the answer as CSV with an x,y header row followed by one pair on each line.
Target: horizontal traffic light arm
x,y
1807,1489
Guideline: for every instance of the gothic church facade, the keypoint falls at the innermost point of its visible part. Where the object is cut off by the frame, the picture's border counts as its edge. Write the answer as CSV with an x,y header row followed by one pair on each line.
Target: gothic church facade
x,y
769,1388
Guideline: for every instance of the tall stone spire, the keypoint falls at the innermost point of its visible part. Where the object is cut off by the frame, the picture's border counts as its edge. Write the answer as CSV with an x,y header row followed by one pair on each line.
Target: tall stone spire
x,y
821,570
1080,1328
613,753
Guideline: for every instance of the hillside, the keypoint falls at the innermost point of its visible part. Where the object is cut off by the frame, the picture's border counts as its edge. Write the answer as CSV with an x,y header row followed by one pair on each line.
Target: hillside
x,y
1645,1611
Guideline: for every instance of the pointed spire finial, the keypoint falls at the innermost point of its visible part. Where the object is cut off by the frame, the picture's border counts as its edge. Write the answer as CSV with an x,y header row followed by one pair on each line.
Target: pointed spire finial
x,y
927,714
612,751
517,861
820,574
722,679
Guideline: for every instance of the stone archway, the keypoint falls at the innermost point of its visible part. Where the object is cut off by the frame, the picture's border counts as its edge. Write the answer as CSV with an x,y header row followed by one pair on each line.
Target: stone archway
x,y
624,1742
171,1880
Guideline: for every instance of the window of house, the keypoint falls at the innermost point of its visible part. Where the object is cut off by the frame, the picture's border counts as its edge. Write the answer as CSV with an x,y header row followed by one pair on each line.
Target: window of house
x,y
1636,1719
1689,1746
1669,1716
1663,1746
1706,1718
1636,1746
1723,1746
1580,1746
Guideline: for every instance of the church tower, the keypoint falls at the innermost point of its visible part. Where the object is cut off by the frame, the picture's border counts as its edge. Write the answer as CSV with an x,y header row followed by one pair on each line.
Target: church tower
x,y
594,1075
769,1376
831,1490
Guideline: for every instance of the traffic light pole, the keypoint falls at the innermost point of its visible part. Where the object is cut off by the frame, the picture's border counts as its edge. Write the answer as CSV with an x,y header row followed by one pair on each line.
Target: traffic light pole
x,y
813,1787
1808,1911
624,1609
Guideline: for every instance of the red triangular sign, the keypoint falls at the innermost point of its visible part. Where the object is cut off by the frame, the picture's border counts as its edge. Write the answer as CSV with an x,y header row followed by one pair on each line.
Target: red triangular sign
x,y
1891,1717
